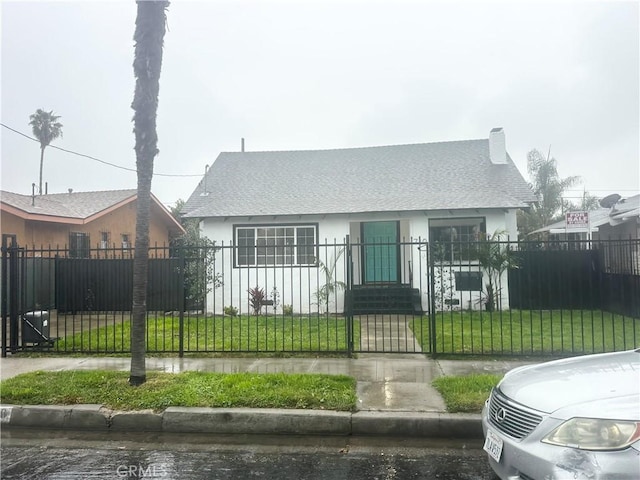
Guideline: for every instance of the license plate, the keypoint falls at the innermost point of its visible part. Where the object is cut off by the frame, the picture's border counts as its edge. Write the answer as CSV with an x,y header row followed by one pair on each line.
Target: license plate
x,y
493,445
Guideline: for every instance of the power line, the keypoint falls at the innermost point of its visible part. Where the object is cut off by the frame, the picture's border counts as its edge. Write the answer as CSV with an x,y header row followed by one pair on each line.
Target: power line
x,y
589,190
97,159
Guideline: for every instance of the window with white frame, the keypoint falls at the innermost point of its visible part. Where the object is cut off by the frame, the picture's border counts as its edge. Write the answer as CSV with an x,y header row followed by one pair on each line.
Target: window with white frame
x,y
455,239
126,244
269,245
104,240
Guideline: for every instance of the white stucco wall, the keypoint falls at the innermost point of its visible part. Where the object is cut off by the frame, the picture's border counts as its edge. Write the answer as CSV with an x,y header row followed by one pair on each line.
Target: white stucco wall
x,y
296,285
336,227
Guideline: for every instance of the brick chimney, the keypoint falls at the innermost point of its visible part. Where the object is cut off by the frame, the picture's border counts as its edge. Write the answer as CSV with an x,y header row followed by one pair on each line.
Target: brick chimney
x,y
497,147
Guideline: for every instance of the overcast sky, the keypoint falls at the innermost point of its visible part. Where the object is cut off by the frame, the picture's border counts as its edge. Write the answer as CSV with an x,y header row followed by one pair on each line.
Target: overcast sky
x,y
317,75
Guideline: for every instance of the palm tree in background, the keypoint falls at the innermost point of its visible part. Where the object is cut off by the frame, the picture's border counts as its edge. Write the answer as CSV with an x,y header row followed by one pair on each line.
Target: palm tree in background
x,y
46,128
548,186
147,64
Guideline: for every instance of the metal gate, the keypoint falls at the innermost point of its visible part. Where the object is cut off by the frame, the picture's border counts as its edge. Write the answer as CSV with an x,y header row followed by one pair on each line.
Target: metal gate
x,y
390,314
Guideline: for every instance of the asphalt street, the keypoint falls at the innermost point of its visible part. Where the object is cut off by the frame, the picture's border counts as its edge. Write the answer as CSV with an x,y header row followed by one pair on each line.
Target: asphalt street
x,y
49,455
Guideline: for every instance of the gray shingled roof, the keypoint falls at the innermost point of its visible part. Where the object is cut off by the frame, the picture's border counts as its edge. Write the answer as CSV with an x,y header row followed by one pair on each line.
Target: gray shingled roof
x,y
71,205
626,209
431,176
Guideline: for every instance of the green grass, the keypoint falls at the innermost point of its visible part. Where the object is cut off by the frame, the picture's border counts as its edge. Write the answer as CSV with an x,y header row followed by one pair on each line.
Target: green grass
x,y
515,332
218,334
467,393
187,389
529,332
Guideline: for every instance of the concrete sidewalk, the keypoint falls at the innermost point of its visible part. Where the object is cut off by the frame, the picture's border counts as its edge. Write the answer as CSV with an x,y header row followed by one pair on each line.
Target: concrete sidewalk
x,y
395,397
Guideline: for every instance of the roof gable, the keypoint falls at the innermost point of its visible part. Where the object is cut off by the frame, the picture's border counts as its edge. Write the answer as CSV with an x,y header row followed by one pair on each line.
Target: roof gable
x,y
444,175
76,207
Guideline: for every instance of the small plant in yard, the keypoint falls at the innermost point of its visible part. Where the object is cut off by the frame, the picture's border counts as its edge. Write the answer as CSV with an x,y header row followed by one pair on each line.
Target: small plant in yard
x,y
231,311
287,309
331,285
495,259
256,299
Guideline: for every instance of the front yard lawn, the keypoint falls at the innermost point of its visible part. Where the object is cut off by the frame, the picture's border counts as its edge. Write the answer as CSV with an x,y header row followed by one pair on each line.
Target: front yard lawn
x,y
217,334
528,332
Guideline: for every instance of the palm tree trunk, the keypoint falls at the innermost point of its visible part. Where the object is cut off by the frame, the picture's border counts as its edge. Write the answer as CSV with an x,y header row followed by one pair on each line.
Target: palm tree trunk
x,y
149,36
138,374
41,165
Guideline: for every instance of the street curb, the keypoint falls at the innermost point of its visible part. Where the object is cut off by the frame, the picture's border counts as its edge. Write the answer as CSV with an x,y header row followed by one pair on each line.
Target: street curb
x,y
137,421
256,421
67,417
410,424
244,421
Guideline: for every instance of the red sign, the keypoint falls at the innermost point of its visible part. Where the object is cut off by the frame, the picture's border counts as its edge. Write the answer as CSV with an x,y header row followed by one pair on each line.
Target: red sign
x,y
577,220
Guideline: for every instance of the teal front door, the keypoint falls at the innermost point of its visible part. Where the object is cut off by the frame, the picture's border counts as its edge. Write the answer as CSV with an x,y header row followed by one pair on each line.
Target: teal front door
x,y
380,252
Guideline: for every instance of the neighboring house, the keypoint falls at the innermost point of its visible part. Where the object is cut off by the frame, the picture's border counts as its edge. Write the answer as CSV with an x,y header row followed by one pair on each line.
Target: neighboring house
x,y
277,206
624,220
81,221
619,222
614,231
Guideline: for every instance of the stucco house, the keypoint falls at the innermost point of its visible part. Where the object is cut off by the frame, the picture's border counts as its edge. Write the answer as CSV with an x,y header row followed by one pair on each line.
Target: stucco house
x,y
81,221
624,219
280,208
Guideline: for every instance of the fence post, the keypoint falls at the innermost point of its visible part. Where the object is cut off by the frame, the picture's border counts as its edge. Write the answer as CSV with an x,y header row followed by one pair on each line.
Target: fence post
x,y
181,302
347,295
432,300
9,286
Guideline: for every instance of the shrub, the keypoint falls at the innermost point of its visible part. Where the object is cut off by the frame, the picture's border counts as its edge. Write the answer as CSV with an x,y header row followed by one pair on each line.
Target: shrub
x,y
231,311
256,299
287,309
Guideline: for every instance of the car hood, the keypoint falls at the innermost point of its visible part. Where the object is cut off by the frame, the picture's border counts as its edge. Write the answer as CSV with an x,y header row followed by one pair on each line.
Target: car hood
x,y
607,385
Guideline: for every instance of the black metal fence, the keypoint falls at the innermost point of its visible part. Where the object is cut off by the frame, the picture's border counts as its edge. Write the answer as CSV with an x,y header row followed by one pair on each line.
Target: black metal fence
x,y
454,298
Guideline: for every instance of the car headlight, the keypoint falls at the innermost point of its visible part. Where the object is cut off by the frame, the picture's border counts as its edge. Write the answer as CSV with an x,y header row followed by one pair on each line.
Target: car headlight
x,y
595,434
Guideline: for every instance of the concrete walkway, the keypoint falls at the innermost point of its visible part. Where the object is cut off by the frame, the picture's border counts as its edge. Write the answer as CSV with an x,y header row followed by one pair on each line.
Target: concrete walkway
x,y
395,397
387,333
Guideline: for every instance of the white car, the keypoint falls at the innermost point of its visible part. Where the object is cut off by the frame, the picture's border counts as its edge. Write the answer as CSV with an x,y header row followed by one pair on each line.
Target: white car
x,y
576,418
